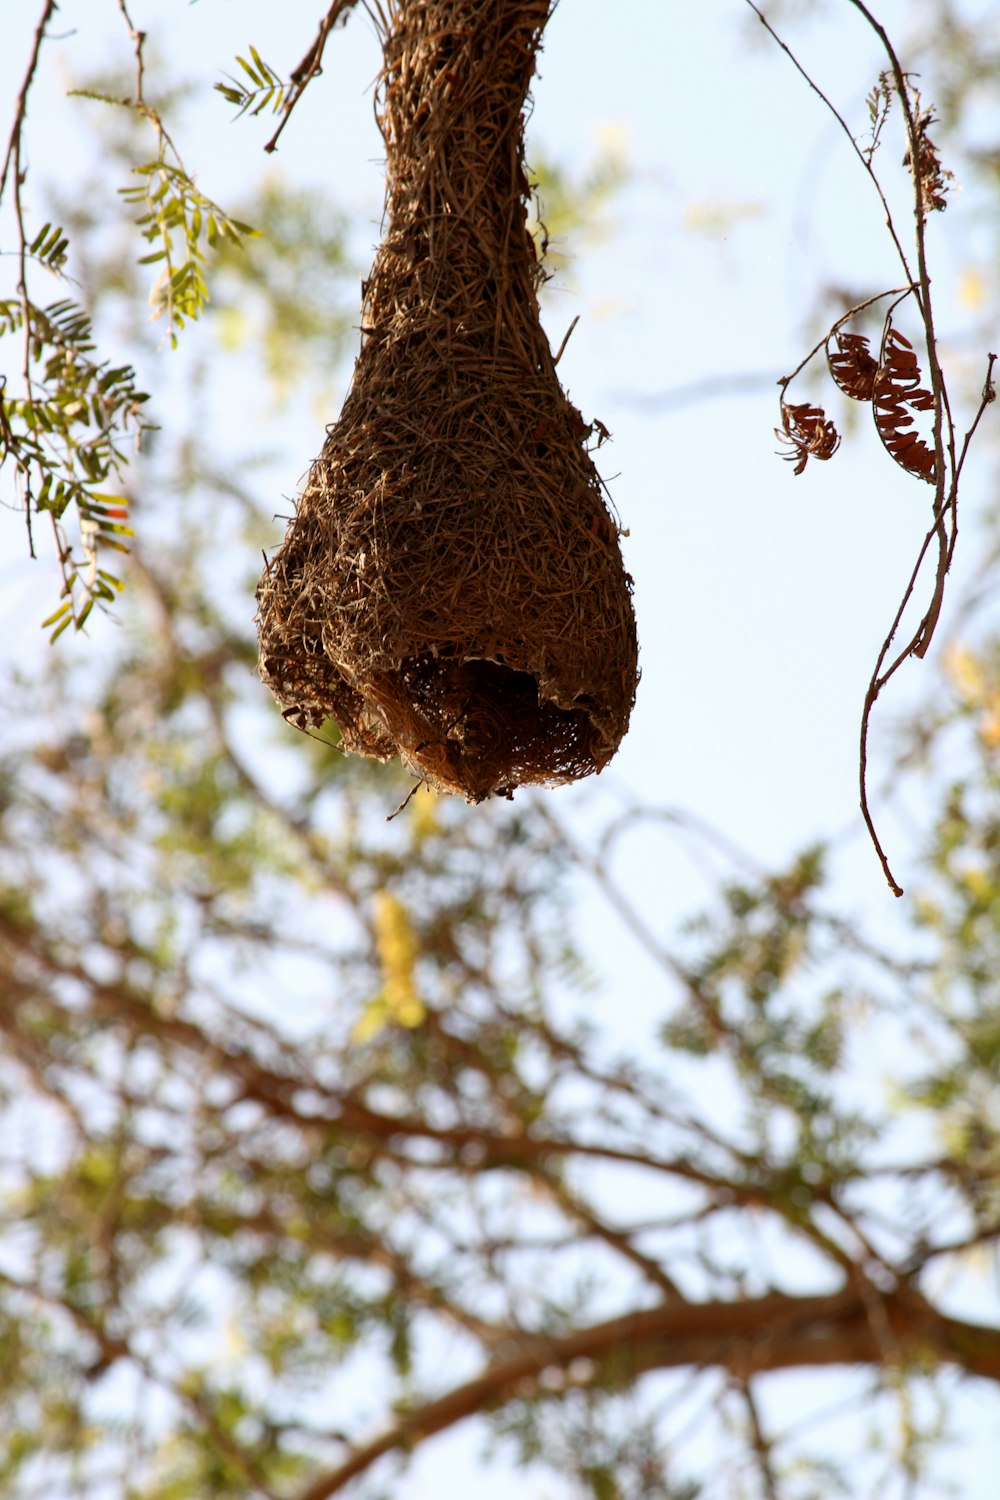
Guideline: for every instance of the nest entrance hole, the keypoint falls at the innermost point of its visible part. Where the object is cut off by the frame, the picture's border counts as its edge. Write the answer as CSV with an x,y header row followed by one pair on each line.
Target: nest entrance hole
x,y
479,727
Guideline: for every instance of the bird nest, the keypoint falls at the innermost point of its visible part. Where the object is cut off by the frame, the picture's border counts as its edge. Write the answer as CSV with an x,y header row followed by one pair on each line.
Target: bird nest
x,y
450,588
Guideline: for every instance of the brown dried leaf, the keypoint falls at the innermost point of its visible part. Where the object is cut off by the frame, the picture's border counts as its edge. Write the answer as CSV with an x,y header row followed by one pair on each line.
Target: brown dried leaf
x,y
897,395
932,177
806,429
853,366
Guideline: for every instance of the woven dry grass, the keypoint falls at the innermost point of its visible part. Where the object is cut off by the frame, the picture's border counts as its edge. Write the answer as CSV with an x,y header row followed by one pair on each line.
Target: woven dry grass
x,y
451,588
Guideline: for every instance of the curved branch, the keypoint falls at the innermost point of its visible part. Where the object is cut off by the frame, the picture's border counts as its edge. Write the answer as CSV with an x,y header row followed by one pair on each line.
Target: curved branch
x,y
774,1332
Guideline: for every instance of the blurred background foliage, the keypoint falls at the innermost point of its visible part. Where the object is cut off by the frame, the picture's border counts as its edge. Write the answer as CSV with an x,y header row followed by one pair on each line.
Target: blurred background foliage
x,y
308,1122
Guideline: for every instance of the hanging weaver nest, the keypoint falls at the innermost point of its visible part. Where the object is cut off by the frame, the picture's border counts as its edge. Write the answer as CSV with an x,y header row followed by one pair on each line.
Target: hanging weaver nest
x,y
451,588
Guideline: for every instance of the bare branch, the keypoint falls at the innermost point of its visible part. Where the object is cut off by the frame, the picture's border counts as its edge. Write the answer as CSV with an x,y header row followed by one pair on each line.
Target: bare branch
x,y
845,128
761,1444
12,157
138,37
310,66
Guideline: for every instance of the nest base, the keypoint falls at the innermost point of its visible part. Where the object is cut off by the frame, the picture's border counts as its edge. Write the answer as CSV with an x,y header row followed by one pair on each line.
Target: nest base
x,y
480,728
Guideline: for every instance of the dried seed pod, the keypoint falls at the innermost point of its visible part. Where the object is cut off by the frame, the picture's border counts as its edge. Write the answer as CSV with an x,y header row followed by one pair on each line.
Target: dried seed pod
x,y
898,394
451,588
933,178
852,365
808,432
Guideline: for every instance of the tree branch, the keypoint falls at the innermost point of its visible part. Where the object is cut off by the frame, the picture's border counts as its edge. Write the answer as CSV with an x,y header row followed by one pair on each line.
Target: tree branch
x,y
769,1333
310,66
14,169
21,105
759,1440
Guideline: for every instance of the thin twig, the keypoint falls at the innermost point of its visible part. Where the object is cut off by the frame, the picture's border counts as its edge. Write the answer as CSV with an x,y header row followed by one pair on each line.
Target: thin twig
x,y
989,395
302,76
620,1240
22,287
944,530
566,338
21,104
919,214
405,802
942,412
844,127
786,380
875,686
14,170
761,1444
138,38
878,682
946,537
